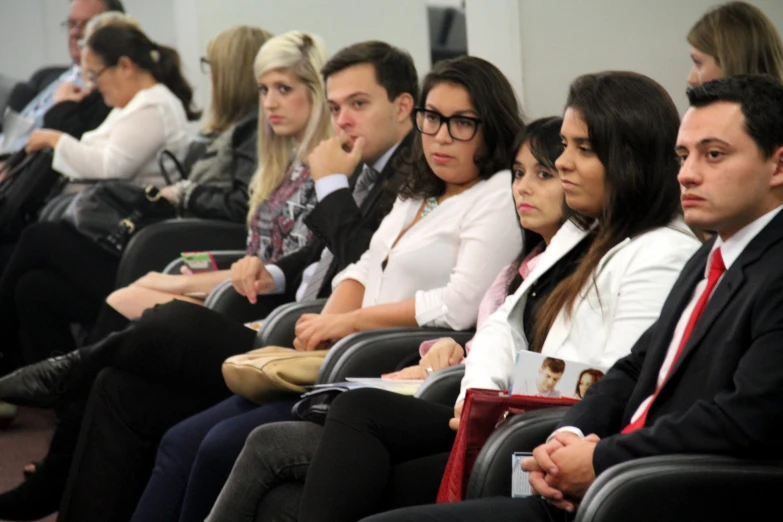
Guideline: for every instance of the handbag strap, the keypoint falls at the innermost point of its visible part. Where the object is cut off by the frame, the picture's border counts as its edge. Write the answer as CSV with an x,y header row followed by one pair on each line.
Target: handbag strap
x,y
164,155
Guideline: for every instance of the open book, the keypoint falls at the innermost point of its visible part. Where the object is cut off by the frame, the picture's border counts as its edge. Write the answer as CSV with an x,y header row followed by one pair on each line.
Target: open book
x,y
538,375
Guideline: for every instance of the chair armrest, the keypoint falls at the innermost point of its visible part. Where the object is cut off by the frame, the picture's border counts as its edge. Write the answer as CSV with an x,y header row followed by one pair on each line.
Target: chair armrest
x,y
683,487
225,300
278,328
375,352
442,386
491,474
156,245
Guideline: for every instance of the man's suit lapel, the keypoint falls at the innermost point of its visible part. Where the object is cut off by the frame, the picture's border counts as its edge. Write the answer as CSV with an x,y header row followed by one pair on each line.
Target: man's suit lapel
x,y
732,282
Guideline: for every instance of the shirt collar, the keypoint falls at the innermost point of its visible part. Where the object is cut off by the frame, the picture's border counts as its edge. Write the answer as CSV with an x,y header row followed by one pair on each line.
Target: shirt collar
x,y
381,162
732,248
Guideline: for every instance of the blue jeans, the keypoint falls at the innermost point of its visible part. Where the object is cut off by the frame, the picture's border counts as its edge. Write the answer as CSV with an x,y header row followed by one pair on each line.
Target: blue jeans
x,y
196,456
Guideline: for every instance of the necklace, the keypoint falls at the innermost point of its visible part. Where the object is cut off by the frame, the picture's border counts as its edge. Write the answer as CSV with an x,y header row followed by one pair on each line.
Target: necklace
x,y
430,204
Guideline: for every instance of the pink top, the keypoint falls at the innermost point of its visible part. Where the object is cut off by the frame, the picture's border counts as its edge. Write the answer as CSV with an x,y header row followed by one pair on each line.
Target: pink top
x,y
494,297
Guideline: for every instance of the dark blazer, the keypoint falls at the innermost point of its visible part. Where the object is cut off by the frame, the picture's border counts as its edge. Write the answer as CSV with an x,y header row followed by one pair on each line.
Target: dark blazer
x,y
24,92
724,395
346,229
76,118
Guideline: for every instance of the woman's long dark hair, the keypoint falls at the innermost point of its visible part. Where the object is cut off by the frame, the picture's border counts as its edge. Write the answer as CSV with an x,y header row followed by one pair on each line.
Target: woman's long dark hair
x,y
112,42
632,125
501,120
543,138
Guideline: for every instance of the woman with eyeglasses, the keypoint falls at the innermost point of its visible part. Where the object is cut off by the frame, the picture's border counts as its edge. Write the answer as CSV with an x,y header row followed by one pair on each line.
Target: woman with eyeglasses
x,y
381,450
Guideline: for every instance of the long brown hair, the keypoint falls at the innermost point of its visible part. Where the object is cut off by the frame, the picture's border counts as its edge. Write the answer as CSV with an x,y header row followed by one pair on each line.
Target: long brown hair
x,y
741,38
632,125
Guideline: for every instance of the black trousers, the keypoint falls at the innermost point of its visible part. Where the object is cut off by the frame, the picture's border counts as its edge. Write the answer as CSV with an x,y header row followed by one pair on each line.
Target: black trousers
x,y
370,438
163,369
499,509
55,277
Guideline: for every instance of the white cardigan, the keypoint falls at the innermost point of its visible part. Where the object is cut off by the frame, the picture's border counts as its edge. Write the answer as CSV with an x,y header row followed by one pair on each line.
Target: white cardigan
x,y
127,143
447,260
632,282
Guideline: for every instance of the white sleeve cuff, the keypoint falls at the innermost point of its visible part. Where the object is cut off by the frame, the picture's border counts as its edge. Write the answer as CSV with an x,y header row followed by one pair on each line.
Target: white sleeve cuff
x,y
329,184
60,161
570,429
278,277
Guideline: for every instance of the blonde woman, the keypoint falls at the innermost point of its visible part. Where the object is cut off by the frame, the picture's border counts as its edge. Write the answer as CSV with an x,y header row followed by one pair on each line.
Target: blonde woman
x,y
295,119
734,38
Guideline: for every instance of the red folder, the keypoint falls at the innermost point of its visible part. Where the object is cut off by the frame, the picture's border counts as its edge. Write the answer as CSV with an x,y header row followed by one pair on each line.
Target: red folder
x,y
483,410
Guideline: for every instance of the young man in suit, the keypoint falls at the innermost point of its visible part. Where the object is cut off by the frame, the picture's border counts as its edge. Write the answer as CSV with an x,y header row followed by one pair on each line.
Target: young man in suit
x,y
52,85
371,89
707,377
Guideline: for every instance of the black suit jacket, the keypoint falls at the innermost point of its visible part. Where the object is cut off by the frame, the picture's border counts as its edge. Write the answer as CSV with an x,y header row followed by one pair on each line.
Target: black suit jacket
x,y
24,92
346,229
724,395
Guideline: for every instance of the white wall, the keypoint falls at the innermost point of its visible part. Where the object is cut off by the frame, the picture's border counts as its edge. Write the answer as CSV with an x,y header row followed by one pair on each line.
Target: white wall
x,y
402,23
559,40
31,36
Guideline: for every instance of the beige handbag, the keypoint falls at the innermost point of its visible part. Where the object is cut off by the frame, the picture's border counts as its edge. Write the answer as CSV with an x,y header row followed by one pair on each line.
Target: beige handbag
x,y
271,372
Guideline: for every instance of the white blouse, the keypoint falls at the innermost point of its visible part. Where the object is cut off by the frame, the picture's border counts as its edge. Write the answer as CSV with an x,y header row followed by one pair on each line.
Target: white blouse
x,y
127,143
447,260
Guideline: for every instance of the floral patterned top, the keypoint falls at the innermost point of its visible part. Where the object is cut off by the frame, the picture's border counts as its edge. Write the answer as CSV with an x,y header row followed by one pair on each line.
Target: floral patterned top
x,y
277,227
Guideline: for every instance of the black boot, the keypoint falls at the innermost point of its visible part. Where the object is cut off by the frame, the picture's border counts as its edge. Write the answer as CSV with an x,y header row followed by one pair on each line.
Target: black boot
x,y
43,384
47,383
40,495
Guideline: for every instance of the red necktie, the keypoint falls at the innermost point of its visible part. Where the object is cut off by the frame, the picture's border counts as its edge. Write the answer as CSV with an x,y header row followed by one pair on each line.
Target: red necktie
x,y
716,271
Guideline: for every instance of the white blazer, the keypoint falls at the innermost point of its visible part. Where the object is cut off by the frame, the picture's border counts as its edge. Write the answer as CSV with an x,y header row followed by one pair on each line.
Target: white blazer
x,y
613,310
447,260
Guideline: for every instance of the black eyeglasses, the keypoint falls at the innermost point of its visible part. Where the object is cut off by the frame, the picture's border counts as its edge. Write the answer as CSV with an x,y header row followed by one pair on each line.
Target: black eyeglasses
x,y
205,68
461,128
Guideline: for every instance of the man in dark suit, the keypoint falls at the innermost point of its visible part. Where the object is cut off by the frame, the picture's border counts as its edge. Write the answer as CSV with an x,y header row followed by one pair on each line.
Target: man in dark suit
x,y
707,377
51,86
371,90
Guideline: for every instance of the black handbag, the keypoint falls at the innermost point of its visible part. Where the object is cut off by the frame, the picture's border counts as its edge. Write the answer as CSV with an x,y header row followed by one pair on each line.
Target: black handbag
x,y
110,212
314,405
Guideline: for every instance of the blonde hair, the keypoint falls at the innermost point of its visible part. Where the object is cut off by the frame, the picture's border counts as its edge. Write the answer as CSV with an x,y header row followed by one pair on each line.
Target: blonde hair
x,y
234,90
303,55
741,38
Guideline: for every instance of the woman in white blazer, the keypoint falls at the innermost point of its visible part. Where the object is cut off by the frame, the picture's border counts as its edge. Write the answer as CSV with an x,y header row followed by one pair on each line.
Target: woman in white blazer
x,y
598,286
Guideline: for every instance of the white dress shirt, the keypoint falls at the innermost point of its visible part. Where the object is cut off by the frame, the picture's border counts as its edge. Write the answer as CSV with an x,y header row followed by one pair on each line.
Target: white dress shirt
x,y
447,260
127,143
